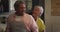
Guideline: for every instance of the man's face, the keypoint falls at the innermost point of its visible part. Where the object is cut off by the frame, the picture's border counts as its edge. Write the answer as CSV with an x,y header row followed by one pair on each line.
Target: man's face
x,y
21,9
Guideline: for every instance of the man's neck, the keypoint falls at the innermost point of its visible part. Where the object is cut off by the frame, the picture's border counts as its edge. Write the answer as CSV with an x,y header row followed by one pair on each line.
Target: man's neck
x,y
19,14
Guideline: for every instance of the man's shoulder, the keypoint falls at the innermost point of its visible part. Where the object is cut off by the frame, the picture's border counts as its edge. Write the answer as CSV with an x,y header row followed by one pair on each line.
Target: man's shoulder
x,y
28,15
10,16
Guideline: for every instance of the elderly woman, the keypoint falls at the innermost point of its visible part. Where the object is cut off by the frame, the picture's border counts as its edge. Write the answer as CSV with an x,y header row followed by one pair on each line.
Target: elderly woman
x,y
37,11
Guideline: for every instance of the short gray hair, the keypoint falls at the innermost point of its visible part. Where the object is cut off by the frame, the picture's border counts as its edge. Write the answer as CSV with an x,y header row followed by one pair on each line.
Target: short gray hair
x,y
42,10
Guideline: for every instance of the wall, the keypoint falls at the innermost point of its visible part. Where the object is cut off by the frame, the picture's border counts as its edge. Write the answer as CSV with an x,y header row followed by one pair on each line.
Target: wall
x,y
12,4
52,22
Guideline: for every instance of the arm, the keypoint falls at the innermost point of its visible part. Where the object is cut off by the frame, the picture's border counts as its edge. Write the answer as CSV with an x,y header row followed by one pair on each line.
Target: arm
x,y
8,28
8,25
34,26
42,25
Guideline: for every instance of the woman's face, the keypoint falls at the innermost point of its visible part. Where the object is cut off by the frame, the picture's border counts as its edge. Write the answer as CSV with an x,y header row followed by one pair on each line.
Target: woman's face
x,y
36,12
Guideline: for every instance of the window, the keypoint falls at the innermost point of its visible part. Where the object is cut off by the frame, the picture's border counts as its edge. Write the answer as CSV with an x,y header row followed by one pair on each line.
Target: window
x,y
4,6
29,4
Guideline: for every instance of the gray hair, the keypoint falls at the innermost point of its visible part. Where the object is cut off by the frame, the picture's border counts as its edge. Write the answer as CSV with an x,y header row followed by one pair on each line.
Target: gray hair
x,y
42,10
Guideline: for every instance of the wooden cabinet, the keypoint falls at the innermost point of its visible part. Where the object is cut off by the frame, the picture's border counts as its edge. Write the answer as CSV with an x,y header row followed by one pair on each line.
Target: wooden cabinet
x,y
55,6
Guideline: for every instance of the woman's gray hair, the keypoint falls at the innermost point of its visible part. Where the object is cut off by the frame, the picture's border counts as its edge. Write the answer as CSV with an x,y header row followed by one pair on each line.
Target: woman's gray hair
x,y
42,10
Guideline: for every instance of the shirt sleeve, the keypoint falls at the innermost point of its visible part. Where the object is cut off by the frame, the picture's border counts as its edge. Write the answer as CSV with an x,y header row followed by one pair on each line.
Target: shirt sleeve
x,y
41,24
34,27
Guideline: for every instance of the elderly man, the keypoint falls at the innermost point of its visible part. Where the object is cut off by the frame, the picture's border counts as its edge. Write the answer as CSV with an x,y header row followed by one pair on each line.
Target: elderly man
x,y
20,21
37,11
